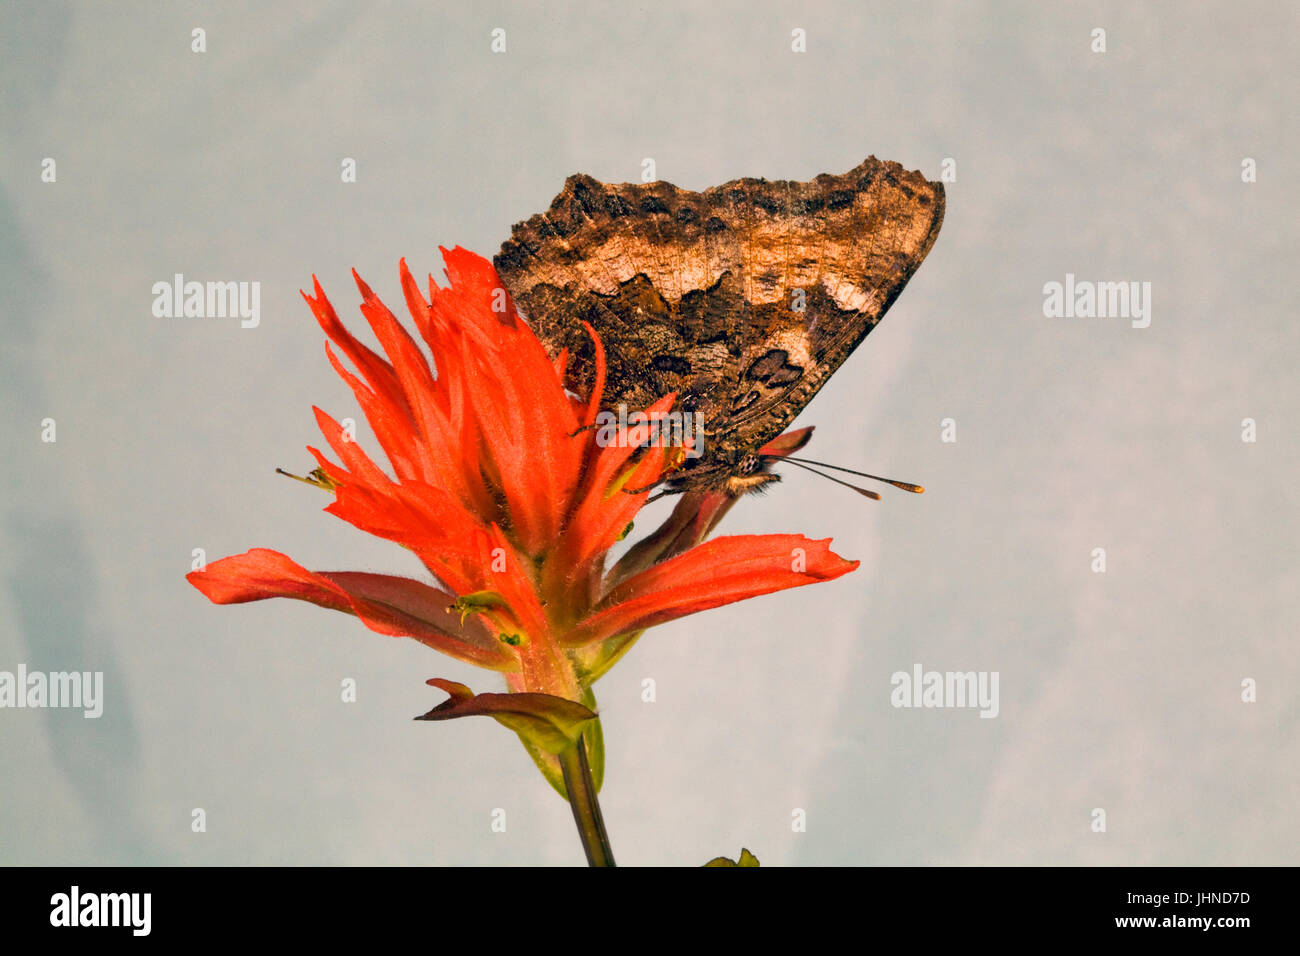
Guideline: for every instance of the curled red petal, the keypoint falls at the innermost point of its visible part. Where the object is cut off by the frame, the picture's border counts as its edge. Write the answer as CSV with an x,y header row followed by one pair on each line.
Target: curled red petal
x,y
553,724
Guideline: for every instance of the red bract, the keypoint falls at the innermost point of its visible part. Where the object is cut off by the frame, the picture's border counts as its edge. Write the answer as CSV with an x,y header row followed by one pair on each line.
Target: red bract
x,y
512,506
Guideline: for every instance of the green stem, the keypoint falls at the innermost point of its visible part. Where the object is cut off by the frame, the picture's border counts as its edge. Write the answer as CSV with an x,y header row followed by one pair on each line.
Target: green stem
x,y
586,808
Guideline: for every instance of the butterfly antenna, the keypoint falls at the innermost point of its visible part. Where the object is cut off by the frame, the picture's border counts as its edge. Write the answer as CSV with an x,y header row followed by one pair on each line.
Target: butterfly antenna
x,y
905,485
862,491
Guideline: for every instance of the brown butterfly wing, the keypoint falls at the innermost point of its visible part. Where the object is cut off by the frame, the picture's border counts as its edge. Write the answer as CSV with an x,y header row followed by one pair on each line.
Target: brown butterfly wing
x,y
743,299
843,248
631,260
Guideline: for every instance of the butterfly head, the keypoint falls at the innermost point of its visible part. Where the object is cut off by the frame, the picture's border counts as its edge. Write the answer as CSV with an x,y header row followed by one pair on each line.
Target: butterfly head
x,y
735,475
750,473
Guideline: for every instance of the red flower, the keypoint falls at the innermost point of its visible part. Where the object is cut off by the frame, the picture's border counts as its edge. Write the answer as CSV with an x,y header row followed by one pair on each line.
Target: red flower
x,y
512,506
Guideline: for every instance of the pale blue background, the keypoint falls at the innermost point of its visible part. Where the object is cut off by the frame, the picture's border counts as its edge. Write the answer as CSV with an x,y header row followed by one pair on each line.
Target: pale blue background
x,y
1118,691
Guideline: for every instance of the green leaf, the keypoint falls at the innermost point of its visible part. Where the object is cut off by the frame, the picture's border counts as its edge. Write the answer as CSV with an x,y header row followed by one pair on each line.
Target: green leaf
x,y
746,859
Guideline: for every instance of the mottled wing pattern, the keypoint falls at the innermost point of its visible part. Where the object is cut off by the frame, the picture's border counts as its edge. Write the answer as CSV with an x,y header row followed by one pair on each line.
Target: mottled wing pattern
x,y
744,298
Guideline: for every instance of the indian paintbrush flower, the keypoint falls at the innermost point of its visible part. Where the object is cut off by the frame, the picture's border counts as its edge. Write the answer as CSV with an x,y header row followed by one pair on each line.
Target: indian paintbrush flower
x,y
498,484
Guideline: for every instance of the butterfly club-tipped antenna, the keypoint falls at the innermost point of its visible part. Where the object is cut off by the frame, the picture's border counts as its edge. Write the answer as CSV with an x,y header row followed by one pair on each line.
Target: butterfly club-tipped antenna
x,y
806,463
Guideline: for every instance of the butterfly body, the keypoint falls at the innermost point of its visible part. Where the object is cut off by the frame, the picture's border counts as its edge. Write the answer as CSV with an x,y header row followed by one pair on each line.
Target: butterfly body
x,y
743,299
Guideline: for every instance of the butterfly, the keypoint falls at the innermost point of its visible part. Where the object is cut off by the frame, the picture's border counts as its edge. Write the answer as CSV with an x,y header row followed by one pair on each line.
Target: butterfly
x,y
743,299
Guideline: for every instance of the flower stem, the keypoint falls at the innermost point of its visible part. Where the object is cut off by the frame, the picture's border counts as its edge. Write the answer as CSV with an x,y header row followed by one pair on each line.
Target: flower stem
x,y
586,808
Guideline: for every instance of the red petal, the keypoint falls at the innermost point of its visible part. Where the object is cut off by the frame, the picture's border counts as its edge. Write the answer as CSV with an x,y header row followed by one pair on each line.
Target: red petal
x,y
602,516
692,520
598,387
526,423
787,443
715,573
388,419
377,372
397,606
413,374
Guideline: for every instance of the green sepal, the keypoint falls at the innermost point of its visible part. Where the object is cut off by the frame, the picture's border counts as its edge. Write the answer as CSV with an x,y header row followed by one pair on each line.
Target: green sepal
x,y
549,764
595,660
595,738
550,724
